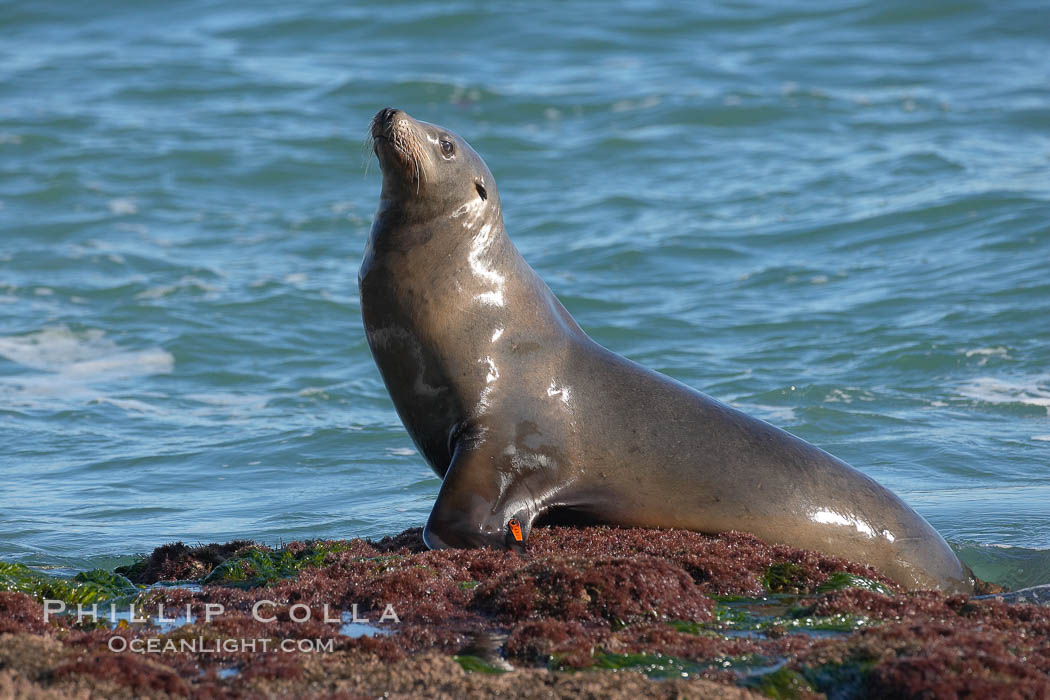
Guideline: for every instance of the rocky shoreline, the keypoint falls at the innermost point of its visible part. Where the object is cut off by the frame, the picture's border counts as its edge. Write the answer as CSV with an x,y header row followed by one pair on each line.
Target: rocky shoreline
x,y
593,612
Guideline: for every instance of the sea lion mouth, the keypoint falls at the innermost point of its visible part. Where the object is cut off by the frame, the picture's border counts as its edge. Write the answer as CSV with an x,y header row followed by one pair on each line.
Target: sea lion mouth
x,y
395,143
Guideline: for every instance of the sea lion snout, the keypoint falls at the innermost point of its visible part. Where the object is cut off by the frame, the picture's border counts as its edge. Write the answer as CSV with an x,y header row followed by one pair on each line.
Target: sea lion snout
x,y
461,534
394,141
477,524
384,119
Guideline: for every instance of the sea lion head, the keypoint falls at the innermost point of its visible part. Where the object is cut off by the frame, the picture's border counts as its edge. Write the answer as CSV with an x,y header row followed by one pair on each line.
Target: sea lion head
x,y
429,171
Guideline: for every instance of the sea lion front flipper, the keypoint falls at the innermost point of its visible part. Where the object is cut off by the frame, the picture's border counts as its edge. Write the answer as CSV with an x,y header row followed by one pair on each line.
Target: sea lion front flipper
x,y
475,505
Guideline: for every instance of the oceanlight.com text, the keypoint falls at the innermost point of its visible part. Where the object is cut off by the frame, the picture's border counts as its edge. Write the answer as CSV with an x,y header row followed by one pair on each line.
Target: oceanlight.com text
x,y
200,645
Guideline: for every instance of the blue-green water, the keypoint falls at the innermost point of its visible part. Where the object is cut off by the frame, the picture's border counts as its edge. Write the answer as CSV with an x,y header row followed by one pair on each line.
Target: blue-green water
x,y
837,219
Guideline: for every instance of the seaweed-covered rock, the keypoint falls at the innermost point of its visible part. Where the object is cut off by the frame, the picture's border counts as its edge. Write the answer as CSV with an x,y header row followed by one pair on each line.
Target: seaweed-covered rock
x,y
20,614
582,611
86,587
180,562
618,591
131,671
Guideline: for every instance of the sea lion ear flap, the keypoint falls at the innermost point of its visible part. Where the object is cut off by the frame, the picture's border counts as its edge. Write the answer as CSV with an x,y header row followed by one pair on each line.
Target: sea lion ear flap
x,y
479,184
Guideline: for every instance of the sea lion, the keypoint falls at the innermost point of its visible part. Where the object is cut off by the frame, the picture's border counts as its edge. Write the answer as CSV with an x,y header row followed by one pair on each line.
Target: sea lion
x,y
525,418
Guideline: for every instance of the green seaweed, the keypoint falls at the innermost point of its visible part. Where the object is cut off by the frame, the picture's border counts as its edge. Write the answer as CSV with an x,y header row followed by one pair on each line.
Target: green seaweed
x,y
652,665
841,580
784,577
662,666
87,587
734,598
132,570
832,623
846,680
384,562
744,615
732,615
781,684
687,626
475,664
700,629
252,569
257,568
787,577
779,613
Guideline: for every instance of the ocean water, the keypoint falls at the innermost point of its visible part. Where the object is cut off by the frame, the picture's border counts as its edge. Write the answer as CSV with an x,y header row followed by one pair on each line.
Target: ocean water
x,y
836,218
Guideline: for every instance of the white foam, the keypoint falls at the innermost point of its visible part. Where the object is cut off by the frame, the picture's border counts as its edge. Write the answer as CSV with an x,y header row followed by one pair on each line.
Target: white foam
x,y
778,414
1000,351
122,206
124,364
252,401
848,394
1033,392
1041,438
188,283
401,451
83,355
129,405
986,353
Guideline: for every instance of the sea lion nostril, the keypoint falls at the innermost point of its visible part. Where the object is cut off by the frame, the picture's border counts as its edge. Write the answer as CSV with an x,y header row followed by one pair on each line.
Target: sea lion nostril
x,y
386,115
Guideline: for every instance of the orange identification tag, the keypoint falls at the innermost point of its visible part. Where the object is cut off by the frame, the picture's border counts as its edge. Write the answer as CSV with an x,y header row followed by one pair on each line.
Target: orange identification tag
x,y
515,529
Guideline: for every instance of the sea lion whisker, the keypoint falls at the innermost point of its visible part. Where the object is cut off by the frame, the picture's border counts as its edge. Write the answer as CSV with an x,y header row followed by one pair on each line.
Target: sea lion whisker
x,y
368,147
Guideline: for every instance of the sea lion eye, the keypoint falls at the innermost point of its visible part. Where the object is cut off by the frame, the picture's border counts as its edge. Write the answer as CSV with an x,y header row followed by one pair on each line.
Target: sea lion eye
x,y
447,149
